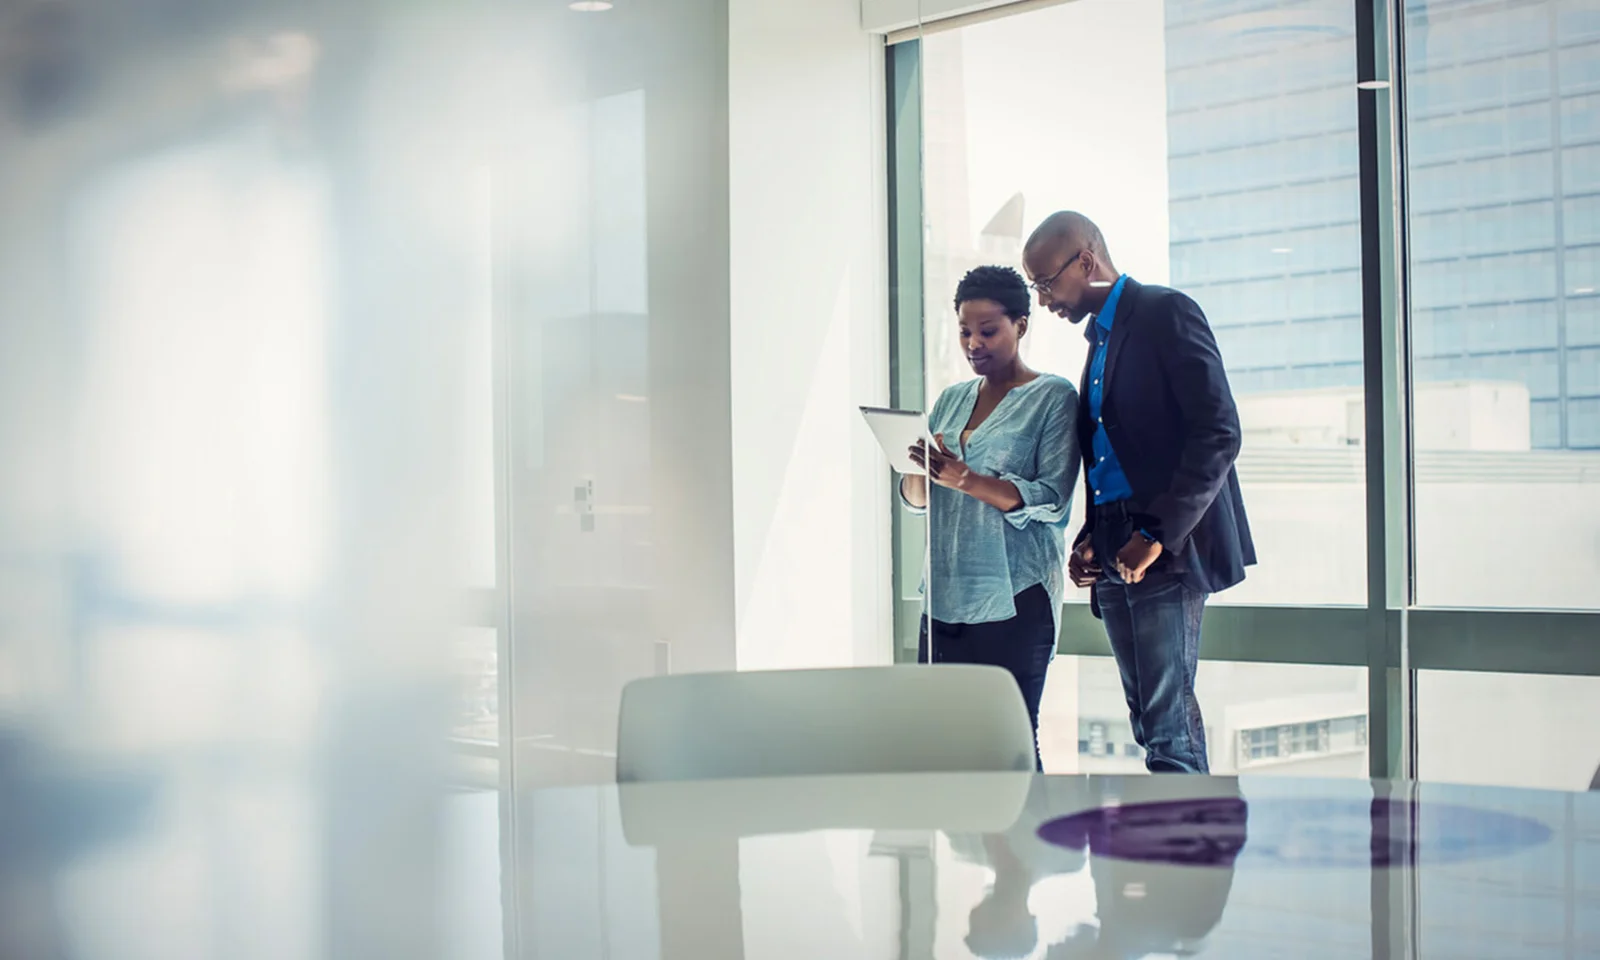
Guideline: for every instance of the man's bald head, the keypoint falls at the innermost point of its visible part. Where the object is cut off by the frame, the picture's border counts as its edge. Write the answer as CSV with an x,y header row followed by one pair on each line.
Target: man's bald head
x,y
1065,231
1069,265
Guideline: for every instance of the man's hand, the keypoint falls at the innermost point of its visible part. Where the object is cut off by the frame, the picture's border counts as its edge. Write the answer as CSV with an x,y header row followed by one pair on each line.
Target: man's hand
x,y
1135,559
1081,566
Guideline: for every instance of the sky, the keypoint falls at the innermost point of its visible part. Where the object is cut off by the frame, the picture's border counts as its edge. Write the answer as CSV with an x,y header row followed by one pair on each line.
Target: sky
x,y
1069,105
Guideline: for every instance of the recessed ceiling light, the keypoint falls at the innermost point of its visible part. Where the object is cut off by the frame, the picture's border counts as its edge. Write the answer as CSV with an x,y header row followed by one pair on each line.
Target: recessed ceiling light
x,y
1582,290
590,6
1283,249
1373,85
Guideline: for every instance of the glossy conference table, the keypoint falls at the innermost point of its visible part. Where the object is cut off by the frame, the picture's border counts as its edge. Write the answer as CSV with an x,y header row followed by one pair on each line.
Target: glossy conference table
x,y
1058,867
985,865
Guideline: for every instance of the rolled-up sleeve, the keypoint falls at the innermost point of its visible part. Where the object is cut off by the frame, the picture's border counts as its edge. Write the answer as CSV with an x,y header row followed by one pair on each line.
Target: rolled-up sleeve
x,y
935,424
1047,497
910,507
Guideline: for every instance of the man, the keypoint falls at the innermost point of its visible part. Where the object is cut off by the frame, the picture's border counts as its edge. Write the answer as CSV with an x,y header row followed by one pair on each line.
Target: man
x,y
1159,434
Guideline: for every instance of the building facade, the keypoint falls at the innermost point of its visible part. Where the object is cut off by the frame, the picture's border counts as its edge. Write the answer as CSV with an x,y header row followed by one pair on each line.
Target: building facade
x,y
1503,136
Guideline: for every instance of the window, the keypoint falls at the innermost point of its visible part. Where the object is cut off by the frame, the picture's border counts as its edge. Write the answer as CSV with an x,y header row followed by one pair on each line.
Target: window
x,y
1310,717
1582,219
1543,732
1497,314
1497,29
1303,740
1289,161
1505,129
1445,89
1488,180
1583,269
1580,169
1481,231
1583,372
1580,118
1490,278
1545,430
1584,427
1259,162
1271,253
1250,203
1579,68
1583,320
1577,20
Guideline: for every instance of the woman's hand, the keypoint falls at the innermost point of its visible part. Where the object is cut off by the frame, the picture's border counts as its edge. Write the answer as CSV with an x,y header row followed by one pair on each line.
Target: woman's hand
x,y
943,467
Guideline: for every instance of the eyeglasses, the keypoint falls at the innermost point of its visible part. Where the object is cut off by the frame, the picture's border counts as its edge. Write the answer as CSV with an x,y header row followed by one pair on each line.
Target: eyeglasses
x,y
1042,287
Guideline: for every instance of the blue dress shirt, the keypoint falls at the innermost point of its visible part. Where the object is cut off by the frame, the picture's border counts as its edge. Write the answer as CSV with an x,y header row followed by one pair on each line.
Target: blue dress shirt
x,y
1106,479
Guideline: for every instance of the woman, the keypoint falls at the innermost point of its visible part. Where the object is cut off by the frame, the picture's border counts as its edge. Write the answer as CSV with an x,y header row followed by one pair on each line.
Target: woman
x,y
1003,464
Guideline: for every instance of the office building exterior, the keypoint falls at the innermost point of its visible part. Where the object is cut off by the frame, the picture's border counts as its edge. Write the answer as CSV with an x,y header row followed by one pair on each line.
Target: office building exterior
x,y
1503,138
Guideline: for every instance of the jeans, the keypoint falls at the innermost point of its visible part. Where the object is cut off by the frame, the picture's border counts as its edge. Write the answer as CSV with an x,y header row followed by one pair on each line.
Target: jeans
x,y
1154,628
1022,645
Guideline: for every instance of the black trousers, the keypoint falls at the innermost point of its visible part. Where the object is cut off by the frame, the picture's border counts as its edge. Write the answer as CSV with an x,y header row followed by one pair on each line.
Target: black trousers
x,y
1021,645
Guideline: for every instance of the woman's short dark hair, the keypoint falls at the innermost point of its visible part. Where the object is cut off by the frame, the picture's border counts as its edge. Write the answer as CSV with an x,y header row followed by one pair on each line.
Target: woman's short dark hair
x,y
1003,285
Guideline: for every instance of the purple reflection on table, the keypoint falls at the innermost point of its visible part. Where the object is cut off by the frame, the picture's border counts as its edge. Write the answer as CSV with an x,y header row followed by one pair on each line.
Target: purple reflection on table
x,y
1203,832
1312,832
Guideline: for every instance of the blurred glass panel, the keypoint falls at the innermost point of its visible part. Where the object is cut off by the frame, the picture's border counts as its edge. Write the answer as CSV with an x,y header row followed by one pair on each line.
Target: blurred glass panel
x,y
478,676
246,412
480,426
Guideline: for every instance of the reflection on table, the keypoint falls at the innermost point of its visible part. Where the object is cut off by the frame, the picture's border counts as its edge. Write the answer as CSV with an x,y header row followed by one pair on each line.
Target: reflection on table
x,y
220,860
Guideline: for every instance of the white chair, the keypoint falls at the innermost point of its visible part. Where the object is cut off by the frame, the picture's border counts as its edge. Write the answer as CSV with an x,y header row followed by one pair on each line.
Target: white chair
x,y
945,718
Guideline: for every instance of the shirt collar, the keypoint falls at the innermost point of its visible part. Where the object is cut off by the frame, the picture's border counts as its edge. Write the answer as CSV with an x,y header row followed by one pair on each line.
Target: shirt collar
x,y
1108,313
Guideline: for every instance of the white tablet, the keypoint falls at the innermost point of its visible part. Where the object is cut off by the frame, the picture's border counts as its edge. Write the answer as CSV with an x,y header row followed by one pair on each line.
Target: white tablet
x,y
897,431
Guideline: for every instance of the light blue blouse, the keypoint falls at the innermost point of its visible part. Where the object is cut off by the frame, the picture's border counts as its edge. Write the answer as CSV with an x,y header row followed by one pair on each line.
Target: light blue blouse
x,y
979,558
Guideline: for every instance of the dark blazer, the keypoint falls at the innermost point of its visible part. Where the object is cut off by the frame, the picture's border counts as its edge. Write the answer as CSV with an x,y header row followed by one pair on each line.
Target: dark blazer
x,y
1171,419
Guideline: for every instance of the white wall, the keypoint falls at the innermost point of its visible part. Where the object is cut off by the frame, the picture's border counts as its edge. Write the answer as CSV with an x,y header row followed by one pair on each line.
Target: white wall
x,y
808,343
809,333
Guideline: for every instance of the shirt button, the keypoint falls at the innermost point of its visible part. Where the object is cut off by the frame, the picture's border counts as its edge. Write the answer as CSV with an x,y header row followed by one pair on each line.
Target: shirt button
x,y
1097,493
1102,459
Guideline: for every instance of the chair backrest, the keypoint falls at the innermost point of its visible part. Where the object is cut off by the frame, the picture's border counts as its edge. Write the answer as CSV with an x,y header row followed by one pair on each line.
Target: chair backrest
x,y
942,718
